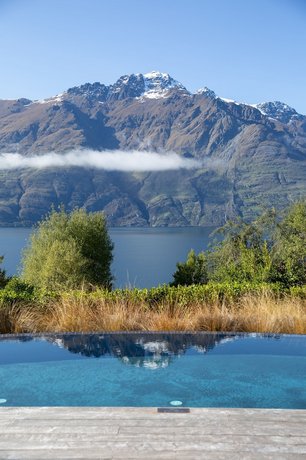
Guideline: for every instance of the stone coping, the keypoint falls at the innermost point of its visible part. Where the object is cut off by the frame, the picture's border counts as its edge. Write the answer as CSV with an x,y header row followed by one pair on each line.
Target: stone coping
x,y
228,333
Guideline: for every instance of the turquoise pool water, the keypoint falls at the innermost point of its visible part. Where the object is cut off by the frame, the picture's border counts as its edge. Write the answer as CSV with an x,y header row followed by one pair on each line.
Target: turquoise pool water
x,y
200,370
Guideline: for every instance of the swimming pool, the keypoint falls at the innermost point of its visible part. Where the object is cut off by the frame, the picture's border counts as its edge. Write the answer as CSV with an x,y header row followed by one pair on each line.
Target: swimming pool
x,y
154,369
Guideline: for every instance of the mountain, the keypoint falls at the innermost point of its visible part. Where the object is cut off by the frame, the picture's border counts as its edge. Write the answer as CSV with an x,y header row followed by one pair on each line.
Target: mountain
x,y
251,157
279,111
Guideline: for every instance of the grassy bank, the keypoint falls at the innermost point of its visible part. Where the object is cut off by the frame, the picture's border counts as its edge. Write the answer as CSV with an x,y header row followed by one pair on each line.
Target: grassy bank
x,y
252,280
212,307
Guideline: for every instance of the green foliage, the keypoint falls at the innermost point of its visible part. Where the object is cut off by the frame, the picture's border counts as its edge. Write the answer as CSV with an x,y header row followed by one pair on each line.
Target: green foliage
x,y
193,271
183,296
68,251
298,291
267,250
17,290
242,256
289,250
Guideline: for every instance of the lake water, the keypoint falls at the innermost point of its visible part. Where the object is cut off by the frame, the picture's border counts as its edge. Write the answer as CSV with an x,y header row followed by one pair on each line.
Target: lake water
x,y
143,257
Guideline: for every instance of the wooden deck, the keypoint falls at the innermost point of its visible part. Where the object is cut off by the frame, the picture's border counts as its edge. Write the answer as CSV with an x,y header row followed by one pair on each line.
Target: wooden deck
x,y
143,433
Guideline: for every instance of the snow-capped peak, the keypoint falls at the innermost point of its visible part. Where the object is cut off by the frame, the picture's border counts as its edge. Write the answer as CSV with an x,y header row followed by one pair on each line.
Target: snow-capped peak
x,y
157,84
152,85
277,110
207,92
160,80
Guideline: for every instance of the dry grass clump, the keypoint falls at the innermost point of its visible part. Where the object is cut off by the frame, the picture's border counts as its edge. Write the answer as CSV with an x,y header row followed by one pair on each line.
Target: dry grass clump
x,y
251,313
267,314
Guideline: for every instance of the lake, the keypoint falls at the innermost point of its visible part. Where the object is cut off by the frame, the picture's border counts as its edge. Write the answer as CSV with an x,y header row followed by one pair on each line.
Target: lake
x,y
143,257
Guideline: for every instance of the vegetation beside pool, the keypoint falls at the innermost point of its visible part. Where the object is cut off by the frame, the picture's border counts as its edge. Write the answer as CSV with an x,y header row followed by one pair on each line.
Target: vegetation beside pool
x,y
251,280
211,307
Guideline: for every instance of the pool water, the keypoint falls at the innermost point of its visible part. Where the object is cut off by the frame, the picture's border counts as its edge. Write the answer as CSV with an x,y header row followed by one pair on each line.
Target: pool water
x,y
134,369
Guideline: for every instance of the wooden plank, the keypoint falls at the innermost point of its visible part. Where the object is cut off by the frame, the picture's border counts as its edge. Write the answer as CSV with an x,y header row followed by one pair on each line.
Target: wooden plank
x,y
133,433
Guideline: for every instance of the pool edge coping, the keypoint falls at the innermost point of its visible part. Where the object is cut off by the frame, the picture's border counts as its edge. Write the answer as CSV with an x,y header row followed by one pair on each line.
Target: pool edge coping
x,y
140,332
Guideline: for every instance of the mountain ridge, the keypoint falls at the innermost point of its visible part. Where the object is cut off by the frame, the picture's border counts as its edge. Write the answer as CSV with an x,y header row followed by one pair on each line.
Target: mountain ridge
x,y
255,155
153,85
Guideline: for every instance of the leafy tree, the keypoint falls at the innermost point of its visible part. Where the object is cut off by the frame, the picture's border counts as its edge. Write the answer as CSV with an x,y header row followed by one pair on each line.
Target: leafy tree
x,y
68,251
270,249
242,255
289,249
193,271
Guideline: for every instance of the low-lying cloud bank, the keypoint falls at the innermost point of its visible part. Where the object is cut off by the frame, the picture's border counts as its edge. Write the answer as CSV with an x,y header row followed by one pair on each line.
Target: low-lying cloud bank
x,y
115,160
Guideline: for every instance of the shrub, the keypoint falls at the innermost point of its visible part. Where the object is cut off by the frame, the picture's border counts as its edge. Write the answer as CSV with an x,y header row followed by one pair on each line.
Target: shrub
x,y
165,295
68,251
193,271
242,256
17,290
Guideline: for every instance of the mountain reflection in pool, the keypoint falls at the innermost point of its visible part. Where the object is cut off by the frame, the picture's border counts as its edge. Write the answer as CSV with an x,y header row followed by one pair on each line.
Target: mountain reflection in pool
x,y
122,369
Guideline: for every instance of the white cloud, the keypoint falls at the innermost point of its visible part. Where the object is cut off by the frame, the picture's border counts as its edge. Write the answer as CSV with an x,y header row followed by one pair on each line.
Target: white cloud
x,y
115,160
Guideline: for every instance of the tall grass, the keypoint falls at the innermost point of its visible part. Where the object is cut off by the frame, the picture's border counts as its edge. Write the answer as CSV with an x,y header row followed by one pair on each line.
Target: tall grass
x,y
261,312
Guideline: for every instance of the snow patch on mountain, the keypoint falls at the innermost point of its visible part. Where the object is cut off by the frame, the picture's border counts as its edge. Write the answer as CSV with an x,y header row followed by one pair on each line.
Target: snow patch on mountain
x,y
206,92
278,111
210,93
50,100
157,85
275,110
229,101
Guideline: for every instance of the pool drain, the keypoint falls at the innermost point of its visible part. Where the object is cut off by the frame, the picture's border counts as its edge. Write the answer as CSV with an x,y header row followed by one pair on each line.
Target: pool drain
x,y
176,403
2,401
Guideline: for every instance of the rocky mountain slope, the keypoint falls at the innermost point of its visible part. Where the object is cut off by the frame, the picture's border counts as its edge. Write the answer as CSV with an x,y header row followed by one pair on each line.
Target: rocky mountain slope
x,y
250,157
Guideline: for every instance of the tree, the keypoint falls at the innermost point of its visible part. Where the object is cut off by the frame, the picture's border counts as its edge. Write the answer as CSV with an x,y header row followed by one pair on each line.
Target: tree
x,y
270,249
289,249
242,255
68,251
193,271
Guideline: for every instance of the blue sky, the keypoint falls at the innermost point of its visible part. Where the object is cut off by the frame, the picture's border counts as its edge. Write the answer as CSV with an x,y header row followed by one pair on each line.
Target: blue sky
x,y
247,50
